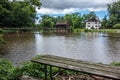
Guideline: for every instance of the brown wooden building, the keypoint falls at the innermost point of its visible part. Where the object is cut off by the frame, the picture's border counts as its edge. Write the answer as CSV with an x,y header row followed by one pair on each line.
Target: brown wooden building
x,y
63,26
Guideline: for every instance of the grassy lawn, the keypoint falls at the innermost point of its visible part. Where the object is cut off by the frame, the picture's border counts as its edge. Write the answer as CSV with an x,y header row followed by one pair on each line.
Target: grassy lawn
x,y
100,30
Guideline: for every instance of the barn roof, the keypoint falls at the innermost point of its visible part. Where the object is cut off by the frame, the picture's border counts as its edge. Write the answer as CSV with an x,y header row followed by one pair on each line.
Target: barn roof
x,y
62,23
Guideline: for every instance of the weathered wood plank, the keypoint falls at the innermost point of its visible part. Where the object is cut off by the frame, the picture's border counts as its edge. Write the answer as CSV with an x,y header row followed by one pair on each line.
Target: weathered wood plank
x,y
100,67
82,66
80,61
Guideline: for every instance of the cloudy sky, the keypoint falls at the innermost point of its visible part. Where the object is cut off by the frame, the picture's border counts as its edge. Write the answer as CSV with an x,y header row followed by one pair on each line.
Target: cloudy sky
x,y
61,7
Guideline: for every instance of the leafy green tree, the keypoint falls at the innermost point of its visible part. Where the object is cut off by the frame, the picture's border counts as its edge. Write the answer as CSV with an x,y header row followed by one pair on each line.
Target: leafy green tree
x,y
4,12
104,22
74,19
116,26
77,20
18,13
47,21
114,13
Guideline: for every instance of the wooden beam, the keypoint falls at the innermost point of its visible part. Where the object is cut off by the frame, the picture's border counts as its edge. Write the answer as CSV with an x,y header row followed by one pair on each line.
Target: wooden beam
x,y
81,66
51,73
45,69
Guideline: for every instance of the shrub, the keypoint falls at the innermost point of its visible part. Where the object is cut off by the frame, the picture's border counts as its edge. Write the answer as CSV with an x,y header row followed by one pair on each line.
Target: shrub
x,y
2,41
6,68
88,30
33,69
116,26
1,31
115,63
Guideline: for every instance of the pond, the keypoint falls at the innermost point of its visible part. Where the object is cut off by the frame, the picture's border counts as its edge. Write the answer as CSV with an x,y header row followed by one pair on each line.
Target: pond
x,y
94,47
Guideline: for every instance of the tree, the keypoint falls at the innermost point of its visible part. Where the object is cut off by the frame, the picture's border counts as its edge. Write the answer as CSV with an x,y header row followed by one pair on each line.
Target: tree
x,y
114,13
5,8
47,21
91,14
75,20
104,22
18,13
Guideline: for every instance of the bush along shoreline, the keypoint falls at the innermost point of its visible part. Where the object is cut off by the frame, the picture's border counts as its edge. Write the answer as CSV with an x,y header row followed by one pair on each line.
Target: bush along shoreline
x,y
1,31
9,72
99,30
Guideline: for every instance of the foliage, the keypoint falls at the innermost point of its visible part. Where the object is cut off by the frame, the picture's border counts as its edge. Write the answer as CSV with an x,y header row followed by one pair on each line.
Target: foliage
x,y
47,21
104,22
33,69
18,13
116,26
2,41
114,13
76,20
115,63
9,72
88,16
78,30
1,31
29,68
6,68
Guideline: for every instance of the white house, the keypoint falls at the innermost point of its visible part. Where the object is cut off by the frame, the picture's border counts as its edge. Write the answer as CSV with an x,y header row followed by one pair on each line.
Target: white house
x,y
93,23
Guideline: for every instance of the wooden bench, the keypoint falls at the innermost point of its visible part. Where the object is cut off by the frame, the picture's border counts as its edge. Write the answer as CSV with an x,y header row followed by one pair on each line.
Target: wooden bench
x,y
102,70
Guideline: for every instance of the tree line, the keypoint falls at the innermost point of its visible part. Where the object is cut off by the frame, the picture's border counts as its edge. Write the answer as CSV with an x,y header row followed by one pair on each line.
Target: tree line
x,y
76,20
22,13
18,13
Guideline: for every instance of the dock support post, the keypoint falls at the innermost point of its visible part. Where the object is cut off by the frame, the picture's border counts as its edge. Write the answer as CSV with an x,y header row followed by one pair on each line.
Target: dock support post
x,y
45,67
51,72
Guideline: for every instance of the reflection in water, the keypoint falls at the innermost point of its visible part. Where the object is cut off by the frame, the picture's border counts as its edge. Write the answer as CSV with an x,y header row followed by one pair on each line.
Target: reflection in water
x,y
95,47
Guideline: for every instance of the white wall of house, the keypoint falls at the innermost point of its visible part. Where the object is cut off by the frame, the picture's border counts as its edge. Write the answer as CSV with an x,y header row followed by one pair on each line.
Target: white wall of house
x,y
93,25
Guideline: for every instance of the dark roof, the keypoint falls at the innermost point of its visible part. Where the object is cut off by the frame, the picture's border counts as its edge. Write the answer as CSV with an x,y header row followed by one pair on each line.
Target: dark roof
x,y
92,19
62,23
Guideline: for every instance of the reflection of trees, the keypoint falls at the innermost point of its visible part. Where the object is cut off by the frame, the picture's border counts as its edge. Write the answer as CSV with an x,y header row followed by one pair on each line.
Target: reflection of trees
x,y
114,43
1,39
16,42
2,45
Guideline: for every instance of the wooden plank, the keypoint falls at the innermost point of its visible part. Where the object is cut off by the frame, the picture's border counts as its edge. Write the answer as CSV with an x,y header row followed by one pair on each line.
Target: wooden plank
x,y
51,73
82,66
45,67
79,61
101,67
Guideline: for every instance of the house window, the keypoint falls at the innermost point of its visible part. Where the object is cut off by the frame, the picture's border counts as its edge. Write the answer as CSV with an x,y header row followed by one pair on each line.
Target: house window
x,y
95,22
96,26
88,23
88,26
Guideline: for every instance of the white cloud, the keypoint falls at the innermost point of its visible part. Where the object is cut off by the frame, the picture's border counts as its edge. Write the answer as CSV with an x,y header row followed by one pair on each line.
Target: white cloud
x,y
70,6
56,11
96,9
66,11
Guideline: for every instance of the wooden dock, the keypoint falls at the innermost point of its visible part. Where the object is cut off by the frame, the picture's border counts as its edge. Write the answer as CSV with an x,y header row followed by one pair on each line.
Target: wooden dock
x,y
90,68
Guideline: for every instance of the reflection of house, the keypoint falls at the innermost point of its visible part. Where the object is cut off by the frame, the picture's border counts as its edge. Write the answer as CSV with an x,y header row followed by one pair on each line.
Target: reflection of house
x,y
93,23
62,26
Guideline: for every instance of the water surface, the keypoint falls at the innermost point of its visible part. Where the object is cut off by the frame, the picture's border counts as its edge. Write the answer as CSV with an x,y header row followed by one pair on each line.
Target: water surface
x,y
94,47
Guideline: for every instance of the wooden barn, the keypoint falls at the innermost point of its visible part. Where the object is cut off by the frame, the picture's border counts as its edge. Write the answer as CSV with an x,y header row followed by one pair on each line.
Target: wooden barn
x,y
63,26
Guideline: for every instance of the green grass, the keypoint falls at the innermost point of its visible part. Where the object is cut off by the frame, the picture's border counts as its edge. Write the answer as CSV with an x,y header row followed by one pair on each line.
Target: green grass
x,y
100,30
115,63
1,31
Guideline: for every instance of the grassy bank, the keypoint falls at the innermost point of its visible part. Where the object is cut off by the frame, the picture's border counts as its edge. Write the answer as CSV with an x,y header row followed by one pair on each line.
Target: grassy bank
x,y
1,31
100,30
